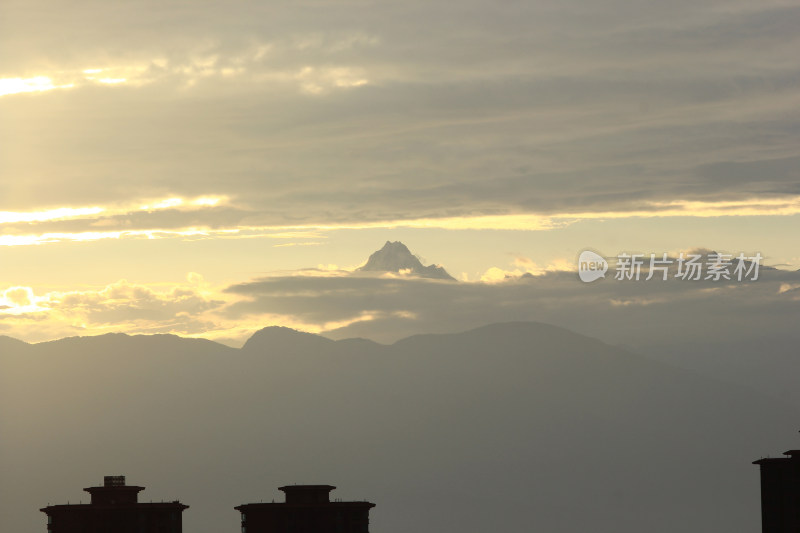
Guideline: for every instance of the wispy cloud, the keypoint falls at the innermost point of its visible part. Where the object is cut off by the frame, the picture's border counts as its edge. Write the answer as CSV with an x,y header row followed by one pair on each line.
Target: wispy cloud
x,y
201,217
258,62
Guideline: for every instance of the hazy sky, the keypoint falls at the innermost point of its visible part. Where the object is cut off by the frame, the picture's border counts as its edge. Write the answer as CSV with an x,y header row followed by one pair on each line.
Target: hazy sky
x,y
158,159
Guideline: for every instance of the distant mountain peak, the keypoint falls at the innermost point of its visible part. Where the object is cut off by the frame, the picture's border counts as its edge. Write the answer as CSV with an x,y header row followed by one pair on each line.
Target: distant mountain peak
x,y
396,257
277,338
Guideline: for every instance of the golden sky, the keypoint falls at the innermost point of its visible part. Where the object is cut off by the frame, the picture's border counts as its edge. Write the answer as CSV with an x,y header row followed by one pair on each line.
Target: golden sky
x,y
153,156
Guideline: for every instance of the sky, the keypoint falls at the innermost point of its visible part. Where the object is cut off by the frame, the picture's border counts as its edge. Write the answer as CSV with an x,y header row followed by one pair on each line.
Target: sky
x,y
207,169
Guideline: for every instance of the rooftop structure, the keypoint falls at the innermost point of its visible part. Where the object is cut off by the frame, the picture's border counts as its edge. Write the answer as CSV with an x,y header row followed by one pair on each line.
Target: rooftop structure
x,y
114,506
307,509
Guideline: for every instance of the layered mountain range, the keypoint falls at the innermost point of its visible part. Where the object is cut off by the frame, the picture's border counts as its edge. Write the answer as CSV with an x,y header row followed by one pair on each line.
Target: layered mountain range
x,y
514,426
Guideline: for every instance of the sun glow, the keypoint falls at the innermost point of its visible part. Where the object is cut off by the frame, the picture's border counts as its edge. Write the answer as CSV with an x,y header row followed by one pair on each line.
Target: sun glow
x,y
67,213
61,213
28,85
183,203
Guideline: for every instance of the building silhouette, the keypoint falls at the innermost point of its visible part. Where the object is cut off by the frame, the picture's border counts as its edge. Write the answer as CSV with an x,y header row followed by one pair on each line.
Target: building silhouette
x,y
780,493
114,508
307,509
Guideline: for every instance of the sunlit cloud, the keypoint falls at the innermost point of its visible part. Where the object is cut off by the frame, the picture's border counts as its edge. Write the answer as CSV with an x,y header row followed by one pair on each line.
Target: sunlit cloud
x,y
320,80
28,240
132,75
18,301
163,204
523,266
496,275
322,271
511,222
152,234
788,287
298,235
29,85
135,75
311,327
68,213
641,302
191,308
331,299
122,306
236,332
332,43
192,67
61,213
539,222
783,206
208,201
287,244
310,234
182,203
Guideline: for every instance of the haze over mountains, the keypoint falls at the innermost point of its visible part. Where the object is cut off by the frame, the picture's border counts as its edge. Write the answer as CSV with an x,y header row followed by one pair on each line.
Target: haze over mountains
x,y
514,426
744,331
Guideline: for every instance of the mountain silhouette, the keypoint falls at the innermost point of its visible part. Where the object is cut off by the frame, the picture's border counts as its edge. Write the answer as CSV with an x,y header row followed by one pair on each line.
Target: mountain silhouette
x,y
514,426
396,257
8,343
284,340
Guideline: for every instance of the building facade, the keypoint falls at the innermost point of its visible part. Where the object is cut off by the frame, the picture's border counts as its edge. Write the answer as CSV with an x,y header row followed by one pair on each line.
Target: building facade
x,y
114,508
307,509
780,493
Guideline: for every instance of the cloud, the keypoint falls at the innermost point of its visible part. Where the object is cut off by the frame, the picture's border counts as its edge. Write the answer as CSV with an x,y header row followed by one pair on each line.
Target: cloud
x,y
375,112
18,297
608,309
254,61
524,267
221,218
342,303
120,307
307,118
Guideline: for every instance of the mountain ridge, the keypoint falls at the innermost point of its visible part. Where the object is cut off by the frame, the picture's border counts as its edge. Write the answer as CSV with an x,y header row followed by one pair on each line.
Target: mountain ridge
x,y
283,338
507,409
279,335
